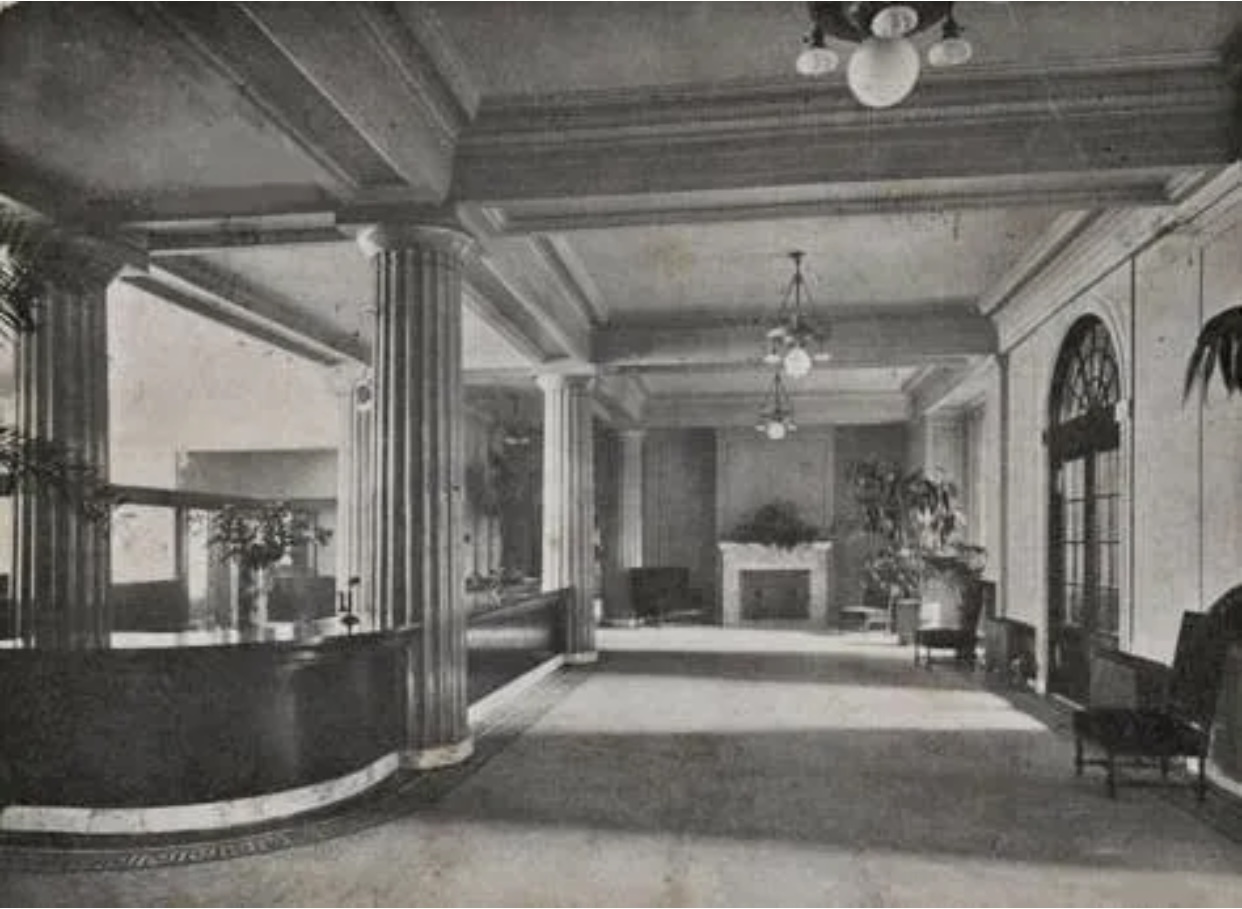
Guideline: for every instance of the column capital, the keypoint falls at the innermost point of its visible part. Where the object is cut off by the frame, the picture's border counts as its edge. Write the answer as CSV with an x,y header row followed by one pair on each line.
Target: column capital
x,y
555,381
387,237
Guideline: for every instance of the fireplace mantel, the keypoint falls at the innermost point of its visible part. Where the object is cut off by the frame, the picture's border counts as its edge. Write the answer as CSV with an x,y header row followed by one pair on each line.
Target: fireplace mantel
x,y
738,557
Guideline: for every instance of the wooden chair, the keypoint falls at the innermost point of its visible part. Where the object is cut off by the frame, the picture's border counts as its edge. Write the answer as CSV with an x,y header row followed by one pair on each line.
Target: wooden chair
x,y
1181,726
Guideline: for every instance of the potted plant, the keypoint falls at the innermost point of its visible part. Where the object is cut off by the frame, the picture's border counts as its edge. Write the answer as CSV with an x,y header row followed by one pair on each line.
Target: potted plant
x,y
253,537
918,555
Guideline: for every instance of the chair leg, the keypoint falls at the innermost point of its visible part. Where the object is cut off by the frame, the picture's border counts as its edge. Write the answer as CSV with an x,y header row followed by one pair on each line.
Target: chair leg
x,y
1201,784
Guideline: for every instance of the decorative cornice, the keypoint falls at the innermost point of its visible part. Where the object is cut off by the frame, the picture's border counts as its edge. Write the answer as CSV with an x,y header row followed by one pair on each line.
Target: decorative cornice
x,y
1105,242
390,237
1057,190
1174,116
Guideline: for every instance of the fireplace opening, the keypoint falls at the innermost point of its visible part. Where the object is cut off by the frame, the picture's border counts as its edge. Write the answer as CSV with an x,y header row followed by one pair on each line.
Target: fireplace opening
x,y
776,593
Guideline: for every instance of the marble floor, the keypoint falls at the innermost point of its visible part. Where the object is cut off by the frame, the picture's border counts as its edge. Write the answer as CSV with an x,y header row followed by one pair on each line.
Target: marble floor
x,y
708,766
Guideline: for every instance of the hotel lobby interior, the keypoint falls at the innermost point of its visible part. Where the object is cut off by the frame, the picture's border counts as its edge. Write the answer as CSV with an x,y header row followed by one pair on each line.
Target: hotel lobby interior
x,y
620,454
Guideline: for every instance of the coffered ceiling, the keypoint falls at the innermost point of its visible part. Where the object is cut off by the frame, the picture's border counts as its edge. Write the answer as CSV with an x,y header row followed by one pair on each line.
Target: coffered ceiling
x,y
635,174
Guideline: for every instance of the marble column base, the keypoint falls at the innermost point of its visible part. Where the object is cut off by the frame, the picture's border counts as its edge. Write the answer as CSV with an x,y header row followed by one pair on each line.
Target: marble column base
x,y
438,755
582,659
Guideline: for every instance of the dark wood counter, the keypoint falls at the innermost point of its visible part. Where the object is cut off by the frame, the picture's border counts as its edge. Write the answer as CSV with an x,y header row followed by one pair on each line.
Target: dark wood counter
x,y
169,726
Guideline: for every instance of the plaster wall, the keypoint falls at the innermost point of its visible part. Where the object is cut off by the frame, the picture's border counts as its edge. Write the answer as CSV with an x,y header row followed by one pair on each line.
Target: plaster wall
x,y
181,382
1182,477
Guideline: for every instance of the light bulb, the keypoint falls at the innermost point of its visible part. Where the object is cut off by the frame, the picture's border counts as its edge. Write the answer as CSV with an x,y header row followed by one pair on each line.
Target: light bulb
x,y
949,52
882,73
776,430
816,61
894,21
797,362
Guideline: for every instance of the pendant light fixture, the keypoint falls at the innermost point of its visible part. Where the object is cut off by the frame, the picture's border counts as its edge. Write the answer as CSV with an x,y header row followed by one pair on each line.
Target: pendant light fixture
x,y
793,338
776,417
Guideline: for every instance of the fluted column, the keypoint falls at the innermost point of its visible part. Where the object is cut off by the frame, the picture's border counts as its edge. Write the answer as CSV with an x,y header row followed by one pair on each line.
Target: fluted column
x,y
62,558
569,506
631,530
355,491
417,474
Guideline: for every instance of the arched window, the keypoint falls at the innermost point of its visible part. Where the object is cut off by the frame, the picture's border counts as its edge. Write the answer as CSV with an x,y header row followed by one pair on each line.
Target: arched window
x,y
1084,456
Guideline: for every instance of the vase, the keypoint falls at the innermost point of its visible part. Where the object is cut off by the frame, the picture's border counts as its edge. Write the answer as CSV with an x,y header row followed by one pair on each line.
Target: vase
x,y
254,584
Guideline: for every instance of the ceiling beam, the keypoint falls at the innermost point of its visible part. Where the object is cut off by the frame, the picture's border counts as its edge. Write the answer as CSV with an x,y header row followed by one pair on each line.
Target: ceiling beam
x,y
225,298
1068,191
828,409
368,64
905,339
1154,116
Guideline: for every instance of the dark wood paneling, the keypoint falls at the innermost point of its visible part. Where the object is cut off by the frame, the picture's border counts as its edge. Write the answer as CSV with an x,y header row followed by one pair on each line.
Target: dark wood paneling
x,y
506,641
149,606
679,504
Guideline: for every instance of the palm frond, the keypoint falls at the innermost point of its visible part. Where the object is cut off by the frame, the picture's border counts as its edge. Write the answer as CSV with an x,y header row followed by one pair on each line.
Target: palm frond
x,y
30,462
23,247
1218,347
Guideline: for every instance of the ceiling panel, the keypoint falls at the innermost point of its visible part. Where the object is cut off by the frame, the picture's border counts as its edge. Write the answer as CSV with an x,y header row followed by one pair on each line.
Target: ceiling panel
x,y
746,381
82,101
867,260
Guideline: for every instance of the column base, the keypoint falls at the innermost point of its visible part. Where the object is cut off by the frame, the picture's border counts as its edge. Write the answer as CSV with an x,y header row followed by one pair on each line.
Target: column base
x,y
438,755
582,659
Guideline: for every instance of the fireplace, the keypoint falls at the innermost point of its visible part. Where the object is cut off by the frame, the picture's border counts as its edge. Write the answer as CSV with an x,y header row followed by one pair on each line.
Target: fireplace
x,y
767,582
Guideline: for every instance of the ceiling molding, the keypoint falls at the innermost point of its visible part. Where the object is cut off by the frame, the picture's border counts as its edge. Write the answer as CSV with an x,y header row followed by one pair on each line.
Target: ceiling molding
x,y
221,36
221,294
1073,190
191,296
906,339
715,138
579,288
447,62
727,411
363,61
509,308
1060,234
234,236
946,391
1105,242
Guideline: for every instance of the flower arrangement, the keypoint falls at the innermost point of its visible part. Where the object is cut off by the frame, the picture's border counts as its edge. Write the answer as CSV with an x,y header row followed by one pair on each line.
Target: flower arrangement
x,y
776,524
259,535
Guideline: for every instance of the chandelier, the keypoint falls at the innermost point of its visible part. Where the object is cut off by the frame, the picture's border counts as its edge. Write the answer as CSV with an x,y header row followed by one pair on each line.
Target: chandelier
x,y
884,69
792,340
776,417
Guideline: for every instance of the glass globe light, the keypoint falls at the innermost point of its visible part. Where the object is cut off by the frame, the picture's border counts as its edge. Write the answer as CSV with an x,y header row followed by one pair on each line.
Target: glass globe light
x,y
797,362
883,72
952,49
816,61
776,430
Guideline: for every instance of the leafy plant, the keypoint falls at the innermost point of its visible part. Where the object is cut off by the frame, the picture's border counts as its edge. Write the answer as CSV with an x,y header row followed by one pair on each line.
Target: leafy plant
x,y
30,253
1219,346
916,522
776,524
260,535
